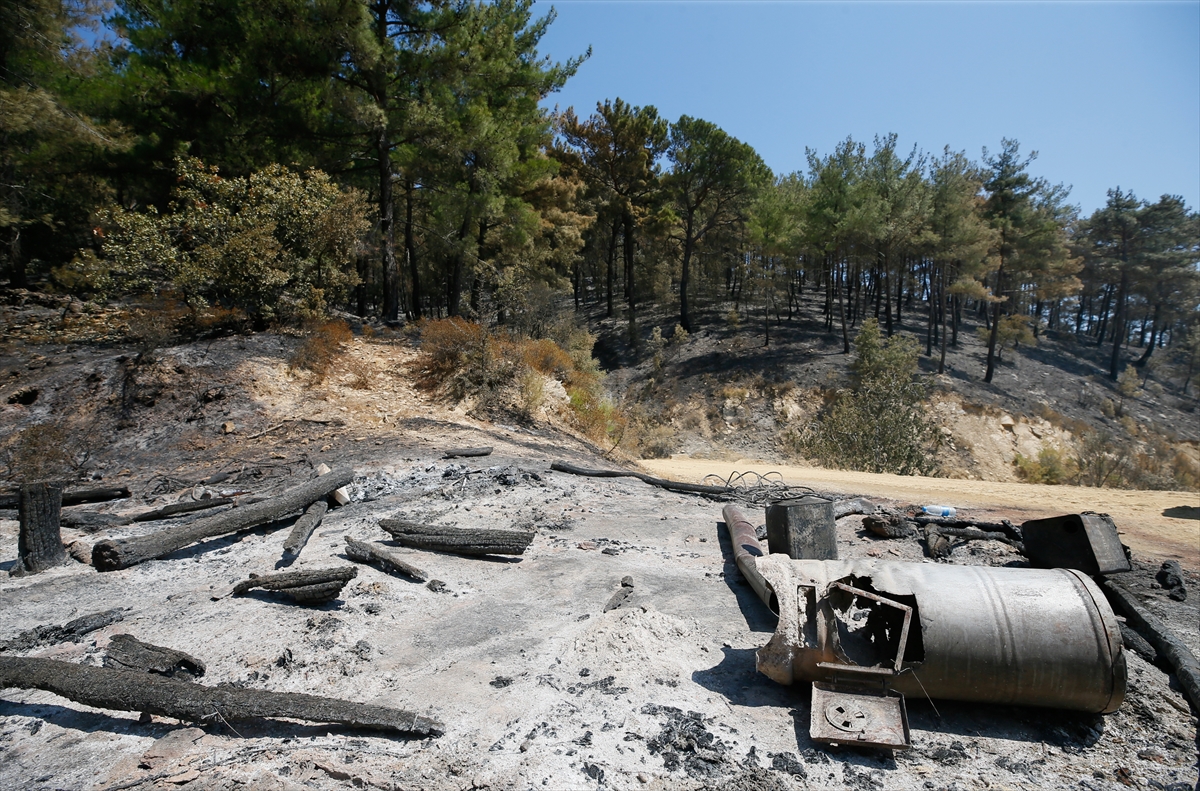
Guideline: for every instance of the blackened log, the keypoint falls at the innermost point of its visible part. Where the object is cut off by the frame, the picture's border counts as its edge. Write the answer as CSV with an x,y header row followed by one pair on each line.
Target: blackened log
x,y
856,505
460,541
121,553
936,544
1006,527
91,521
674,486
314,594
71,632
887,525
296,579
126,652
1182,660
39,545
362,552
75,497
467,452
126,690
978,535
303,529
174,509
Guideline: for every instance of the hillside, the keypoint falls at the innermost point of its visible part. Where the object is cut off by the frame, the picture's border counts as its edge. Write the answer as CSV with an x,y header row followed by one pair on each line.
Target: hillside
x,y
724,394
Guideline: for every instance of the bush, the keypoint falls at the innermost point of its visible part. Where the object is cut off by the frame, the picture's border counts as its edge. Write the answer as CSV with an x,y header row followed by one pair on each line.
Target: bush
x,y
880,424
1050,467
47,451
325,343
275,244
471,361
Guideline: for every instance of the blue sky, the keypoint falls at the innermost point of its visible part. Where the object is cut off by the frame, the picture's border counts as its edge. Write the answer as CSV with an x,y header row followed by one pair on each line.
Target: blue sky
x,y
1107,93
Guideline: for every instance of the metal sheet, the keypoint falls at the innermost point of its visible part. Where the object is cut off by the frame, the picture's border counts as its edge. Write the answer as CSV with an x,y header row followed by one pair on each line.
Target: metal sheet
x,y
859,718
1086,541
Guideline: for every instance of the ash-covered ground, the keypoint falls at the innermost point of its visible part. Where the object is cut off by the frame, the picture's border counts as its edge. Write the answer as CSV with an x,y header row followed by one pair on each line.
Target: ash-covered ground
x,y
536,685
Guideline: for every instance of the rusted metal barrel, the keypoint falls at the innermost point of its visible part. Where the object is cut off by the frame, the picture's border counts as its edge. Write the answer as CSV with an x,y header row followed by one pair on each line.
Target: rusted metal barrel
x,y
1036,637
745,549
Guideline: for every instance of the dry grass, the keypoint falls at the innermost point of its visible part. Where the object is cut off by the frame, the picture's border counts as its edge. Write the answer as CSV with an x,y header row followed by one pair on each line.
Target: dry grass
x,y
325,344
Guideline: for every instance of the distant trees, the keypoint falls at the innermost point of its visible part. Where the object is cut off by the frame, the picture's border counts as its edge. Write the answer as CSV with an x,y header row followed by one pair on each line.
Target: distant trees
x,y
713,181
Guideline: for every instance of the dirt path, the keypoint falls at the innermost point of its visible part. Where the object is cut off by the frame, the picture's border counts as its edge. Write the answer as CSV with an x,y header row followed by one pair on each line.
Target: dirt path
x,y
1141,516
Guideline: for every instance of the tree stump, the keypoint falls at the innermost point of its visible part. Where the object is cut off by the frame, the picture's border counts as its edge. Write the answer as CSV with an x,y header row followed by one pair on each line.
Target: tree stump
x,y
40,545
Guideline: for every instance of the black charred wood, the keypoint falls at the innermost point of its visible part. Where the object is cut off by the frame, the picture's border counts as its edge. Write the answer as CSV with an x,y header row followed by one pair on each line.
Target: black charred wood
x,y
303,529
126,652
175,509
126,690
115,554
362,552
39,544
466,452
460,541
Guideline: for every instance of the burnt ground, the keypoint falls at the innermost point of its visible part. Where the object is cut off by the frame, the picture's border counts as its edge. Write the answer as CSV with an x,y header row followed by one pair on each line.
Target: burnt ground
x,y
538,687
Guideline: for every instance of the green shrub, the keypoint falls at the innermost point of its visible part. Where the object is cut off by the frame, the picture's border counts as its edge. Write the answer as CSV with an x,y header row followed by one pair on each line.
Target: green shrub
x,y
879,425
275,244
1050,467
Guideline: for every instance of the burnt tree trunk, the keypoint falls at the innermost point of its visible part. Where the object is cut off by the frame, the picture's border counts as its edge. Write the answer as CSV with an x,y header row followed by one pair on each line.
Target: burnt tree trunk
x,y
39,546
122,553
127,690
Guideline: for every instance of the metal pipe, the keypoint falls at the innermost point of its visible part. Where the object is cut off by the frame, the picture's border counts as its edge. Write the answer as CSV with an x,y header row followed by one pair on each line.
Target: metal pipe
x,y
746,549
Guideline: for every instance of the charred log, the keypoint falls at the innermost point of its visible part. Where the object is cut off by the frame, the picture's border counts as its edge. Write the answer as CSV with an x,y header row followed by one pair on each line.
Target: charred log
x,y
460,541
467,452
674,486
70,632
75,497
174,509
121,553
125,690
1182,660
126,652
303,529
318,585
362,552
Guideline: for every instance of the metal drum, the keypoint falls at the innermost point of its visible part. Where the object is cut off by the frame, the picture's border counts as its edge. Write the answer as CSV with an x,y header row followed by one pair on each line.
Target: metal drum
x,y
1036,637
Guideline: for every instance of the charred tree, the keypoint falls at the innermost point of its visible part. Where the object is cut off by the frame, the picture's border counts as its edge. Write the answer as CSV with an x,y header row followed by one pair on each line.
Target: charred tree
x,y
39,546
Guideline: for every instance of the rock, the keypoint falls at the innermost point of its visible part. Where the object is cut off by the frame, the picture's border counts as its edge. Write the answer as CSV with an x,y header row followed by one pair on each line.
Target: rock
x,y
1170,576
228,428
1007,423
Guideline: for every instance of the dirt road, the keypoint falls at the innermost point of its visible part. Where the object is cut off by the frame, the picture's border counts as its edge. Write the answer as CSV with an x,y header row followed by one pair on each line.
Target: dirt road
x,y
1141,516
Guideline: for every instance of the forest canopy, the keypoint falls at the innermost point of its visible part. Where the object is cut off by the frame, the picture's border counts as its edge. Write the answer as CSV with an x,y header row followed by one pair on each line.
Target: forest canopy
x,y
395,160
